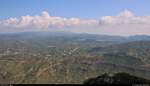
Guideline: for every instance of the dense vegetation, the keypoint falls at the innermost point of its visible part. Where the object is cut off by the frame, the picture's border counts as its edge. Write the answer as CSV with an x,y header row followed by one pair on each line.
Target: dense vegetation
x,y
70,58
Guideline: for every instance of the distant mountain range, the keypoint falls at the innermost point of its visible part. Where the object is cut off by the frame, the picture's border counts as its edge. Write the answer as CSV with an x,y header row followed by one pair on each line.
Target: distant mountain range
x,y
81,36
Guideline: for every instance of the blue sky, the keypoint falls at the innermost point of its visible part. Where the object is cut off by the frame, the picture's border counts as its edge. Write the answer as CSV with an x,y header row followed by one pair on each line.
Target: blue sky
x,y
86,9
111,17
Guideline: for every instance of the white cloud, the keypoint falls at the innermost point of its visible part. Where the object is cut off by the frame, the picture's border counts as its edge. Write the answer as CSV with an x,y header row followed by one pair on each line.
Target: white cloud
x,y
125,23
126,14
44,21
125,17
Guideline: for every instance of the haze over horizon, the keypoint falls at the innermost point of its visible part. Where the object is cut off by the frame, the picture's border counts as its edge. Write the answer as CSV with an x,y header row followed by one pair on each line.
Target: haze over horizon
x,y
110,17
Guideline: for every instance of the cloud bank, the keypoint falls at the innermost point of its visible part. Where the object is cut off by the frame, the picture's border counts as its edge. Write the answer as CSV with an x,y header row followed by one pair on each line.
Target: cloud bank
x,y
125,17
44,21
125,23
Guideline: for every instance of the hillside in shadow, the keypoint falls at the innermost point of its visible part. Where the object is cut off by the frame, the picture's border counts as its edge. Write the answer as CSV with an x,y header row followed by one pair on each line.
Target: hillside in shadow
x,y
118,78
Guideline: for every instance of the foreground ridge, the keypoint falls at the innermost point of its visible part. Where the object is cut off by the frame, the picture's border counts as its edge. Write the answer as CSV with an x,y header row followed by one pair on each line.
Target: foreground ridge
x,y
118,78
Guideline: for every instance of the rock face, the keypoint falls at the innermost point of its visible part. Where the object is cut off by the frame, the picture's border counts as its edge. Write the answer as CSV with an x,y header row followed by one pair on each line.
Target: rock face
x,y
118,78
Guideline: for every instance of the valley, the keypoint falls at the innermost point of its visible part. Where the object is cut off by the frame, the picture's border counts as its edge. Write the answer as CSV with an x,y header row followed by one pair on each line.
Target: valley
x,y
46,57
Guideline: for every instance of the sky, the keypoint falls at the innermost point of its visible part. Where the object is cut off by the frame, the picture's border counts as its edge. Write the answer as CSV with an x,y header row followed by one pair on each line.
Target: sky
x,y
112,17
